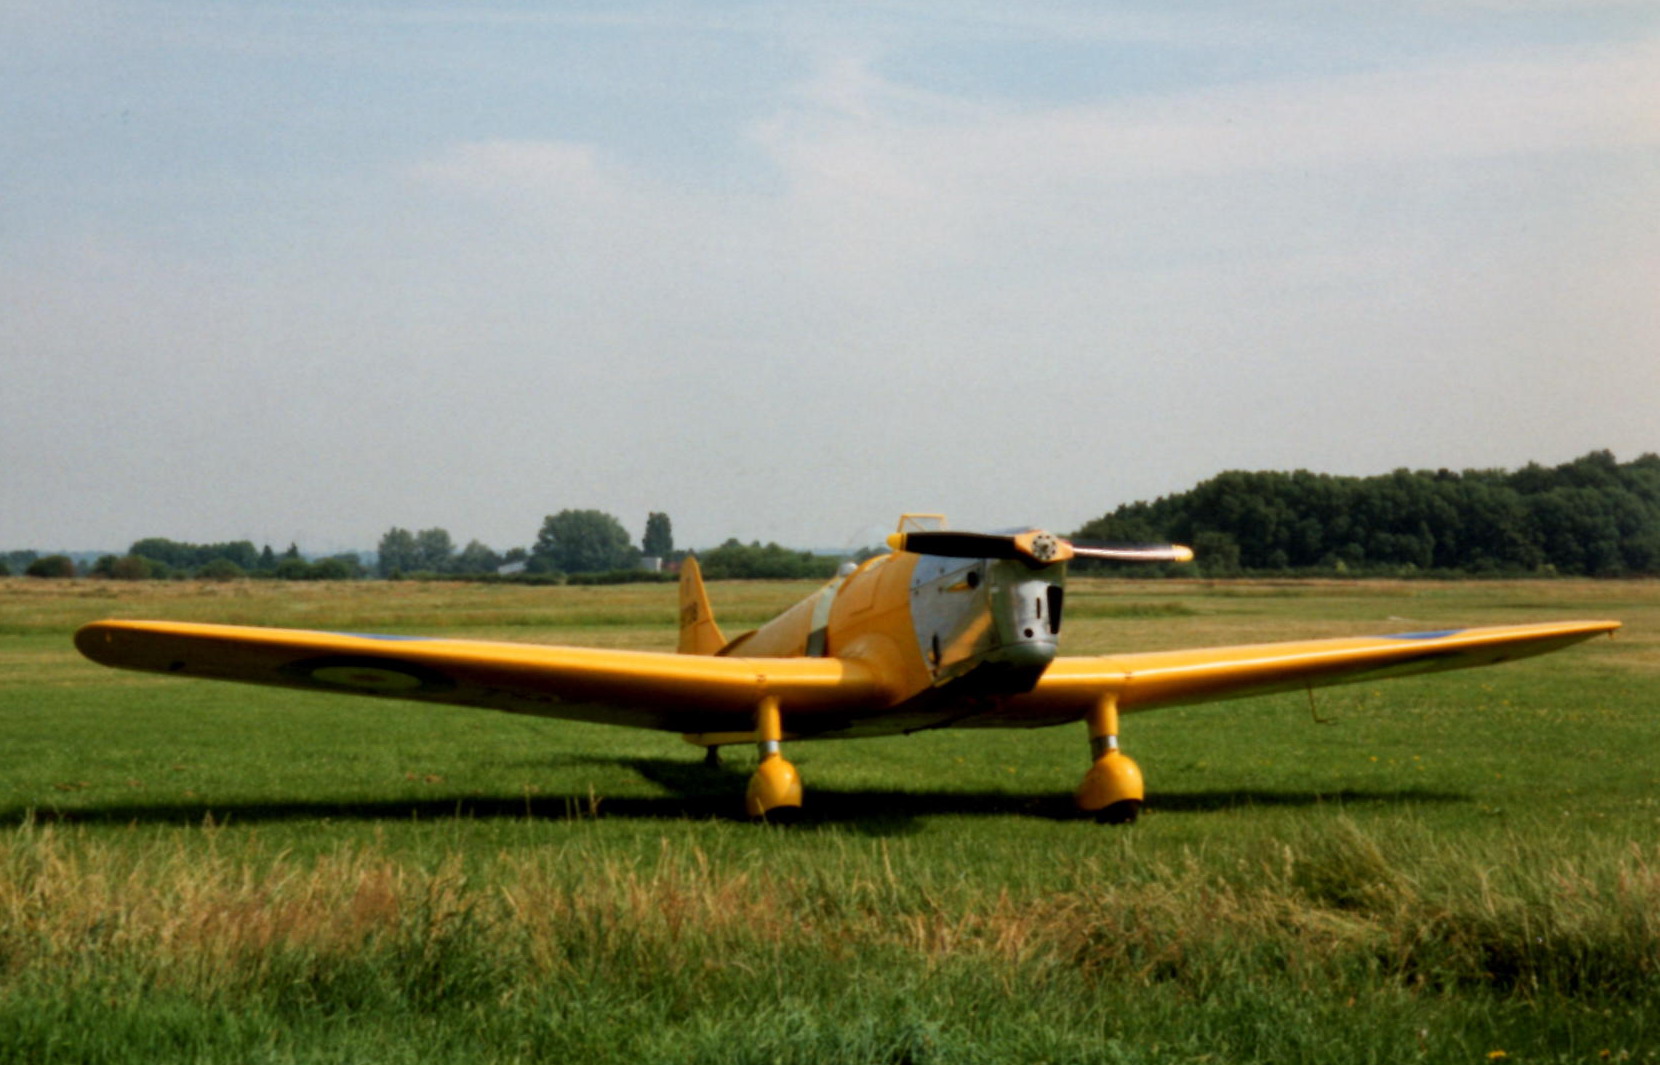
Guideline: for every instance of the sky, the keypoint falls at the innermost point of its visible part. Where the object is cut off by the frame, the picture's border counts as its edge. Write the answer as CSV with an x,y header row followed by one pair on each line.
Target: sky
x,y
305,271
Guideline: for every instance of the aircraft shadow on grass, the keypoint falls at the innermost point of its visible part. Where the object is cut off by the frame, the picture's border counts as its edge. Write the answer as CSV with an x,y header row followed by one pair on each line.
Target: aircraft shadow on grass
x,y
702,792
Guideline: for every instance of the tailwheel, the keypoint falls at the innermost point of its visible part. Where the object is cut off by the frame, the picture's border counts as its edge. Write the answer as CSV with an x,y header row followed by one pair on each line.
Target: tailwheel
x,y
1112,790
775,790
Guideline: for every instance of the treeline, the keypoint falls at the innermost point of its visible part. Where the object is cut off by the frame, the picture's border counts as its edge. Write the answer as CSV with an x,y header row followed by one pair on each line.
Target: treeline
x,y
754,561
1593,517
571,543
586,547
431,552
34,564
572,546
158,558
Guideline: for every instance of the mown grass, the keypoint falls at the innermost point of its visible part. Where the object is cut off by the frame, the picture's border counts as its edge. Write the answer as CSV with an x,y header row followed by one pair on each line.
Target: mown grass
x,y
1458,866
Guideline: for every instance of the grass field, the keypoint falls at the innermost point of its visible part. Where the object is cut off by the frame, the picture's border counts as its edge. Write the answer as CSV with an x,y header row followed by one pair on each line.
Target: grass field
x,y
1462,868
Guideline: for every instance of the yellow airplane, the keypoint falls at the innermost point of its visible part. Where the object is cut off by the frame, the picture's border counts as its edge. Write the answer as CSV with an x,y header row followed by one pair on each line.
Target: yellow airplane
x,y
949,629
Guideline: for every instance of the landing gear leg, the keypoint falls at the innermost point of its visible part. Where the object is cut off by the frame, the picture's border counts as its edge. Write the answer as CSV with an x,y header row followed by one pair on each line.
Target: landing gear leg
x,y
1112,789
711,757
775,789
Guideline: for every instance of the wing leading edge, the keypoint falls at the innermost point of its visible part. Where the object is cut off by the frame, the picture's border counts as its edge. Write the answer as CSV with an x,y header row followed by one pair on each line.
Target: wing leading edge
x,y
672,692
1149,680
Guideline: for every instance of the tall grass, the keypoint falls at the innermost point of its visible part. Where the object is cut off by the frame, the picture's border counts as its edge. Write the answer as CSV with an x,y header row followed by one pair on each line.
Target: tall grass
x,y
206,924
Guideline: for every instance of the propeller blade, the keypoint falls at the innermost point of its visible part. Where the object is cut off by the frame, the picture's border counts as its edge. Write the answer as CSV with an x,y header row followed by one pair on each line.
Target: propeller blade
x,y
943,544
1135,552
1034,547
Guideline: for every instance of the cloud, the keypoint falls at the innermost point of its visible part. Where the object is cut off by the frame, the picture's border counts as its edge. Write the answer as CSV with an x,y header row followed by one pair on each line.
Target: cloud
x,y
1608,98
881,180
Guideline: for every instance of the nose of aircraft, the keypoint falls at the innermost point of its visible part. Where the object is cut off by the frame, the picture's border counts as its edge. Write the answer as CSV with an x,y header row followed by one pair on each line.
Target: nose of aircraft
x,y
1026,606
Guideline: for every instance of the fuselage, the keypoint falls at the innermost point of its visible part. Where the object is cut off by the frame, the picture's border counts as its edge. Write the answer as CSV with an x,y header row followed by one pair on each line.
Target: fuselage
x,y
953,636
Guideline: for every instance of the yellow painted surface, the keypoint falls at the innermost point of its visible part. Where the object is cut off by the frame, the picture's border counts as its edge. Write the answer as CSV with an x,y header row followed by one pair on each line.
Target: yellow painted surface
x,y
682,693
784,636
870,622
699,635
1169,678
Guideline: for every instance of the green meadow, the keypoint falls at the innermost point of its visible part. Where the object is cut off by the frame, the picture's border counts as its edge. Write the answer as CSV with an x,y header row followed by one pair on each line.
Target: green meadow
x,y
1458,868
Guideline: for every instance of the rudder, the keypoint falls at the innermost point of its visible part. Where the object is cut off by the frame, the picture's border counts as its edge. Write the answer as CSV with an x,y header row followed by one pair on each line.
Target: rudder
x,y
699,635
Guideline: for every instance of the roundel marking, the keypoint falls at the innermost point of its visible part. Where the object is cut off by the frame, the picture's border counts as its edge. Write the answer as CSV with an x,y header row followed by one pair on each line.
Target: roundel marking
x,y
368,678
372,675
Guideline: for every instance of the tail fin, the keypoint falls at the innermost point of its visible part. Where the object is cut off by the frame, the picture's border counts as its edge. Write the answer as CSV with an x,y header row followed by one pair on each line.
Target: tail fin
x,y
699,635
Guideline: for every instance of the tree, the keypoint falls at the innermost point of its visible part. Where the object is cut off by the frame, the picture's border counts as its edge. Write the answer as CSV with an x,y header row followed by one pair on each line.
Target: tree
x,y
396,552
476,558
737,561
18,561
170,555
433,551
294,568
582,541
125,568
1217,553
342,567
1592,516
427,551
52,567
658,542
241,552
221,569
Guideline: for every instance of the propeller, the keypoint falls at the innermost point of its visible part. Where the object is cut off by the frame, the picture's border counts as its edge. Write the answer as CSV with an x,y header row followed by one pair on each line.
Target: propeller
x,y
1033,547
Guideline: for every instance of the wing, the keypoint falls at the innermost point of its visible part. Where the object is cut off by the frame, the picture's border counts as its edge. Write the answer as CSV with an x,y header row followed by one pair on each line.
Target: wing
x,y
673,692
1155,679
